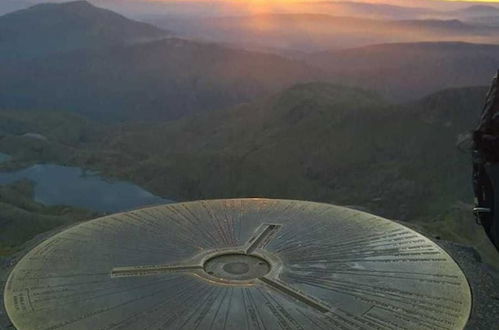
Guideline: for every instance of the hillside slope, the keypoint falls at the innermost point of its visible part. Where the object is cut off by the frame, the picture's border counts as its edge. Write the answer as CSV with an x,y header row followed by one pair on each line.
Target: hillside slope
x,y
312,141
21,218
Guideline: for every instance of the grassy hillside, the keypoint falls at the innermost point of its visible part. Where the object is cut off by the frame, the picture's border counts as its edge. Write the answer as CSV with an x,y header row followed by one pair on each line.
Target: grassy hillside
x,y
46,136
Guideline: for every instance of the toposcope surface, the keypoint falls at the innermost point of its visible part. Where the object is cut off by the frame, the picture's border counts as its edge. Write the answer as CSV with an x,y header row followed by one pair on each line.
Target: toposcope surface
x,y
238,264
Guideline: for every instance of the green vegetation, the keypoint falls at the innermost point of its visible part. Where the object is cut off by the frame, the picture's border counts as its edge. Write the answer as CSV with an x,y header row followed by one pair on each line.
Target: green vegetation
x,y
46,136
313,141
21,218
456,224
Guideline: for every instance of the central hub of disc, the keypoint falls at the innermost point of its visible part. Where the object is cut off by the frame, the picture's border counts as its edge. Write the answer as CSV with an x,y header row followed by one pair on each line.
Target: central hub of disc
x,y
236,267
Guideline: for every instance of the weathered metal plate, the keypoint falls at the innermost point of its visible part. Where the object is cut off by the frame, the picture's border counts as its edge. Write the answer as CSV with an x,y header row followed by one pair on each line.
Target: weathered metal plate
x,y
238,264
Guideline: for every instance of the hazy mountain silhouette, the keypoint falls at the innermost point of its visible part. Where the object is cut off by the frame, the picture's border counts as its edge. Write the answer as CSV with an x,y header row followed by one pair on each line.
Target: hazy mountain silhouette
x,y
410,70
52,28
375,10
7,6
477,10
156,80
316,32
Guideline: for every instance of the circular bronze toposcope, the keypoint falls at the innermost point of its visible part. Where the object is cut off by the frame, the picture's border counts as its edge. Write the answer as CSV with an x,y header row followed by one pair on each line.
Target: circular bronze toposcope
x,y
238,264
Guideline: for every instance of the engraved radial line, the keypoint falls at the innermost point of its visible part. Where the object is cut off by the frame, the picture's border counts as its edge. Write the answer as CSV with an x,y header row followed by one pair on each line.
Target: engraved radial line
x,y
226,222
181,300
206,306
220,303
380,253
158,232
185,235
47,306
410,245
240,216
229,218
210,301
213,223
109,244
379,292
222,231
134,317
285,313
152,270
227,312
182,222
243,296
208,238
317,271
420,316
171,319
262,239
311,230
258,316
246,310
115,307
289,291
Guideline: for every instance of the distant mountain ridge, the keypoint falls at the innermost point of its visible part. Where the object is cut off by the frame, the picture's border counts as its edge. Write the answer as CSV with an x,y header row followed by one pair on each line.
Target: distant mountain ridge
x,y
52,28
310,32
405,71
479,10
163,79
7,6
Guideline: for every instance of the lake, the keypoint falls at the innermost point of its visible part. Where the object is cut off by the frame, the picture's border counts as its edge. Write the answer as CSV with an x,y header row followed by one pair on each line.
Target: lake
x,y
73,186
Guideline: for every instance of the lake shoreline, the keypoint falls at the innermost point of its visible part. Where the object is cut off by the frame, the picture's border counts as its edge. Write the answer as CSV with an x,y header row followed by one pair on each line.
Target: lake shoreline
x,y
79,187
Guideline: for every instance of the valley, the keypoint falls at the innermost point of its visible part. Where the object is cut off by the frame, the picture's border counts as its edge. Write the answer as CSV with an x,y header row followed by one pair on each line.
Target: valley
x,y
313,141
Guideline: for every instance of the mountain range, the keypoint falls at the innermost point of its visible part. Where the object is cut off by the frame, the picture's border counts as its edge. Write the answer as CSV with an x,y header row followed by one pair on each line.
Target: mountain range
x,y
408,71
157,80
116,75
318,32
